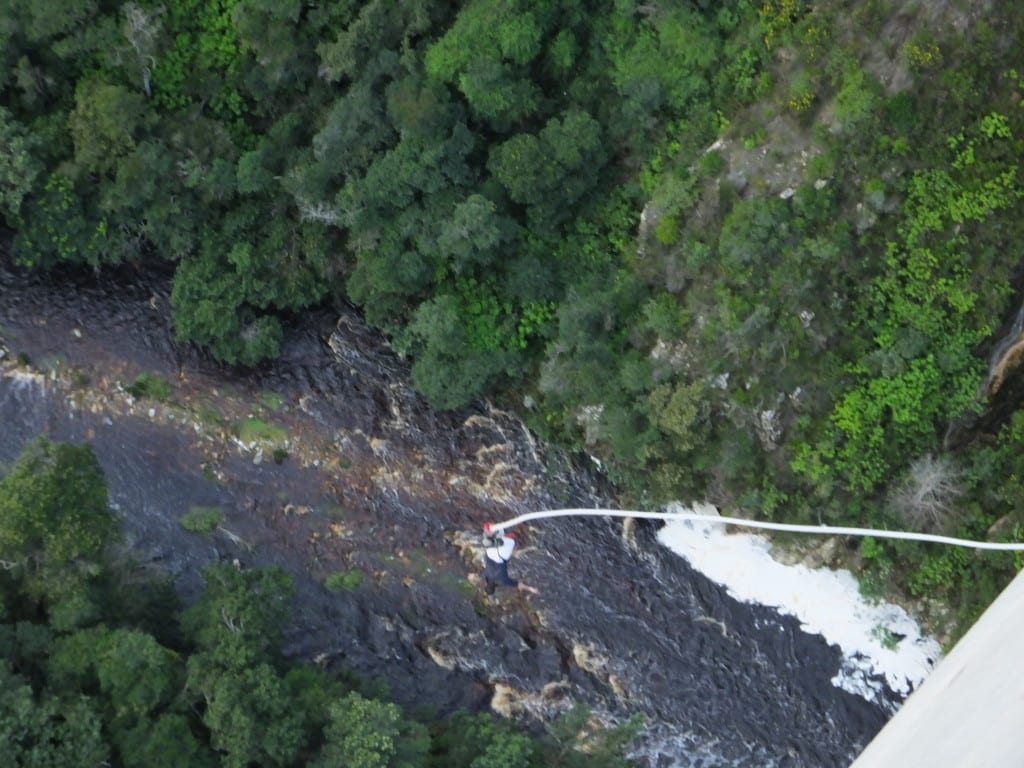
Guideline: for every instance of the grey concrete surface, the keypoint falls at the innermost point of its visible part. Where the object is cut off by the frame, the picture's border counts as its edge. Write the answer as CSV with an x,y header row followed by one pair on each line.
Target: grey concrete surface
x,y
970,711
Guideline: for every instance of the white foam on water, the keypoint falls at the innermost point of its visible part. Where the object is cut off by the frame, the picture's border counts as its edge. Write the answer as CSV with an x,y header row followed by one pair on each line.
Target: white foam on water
x,y
878,640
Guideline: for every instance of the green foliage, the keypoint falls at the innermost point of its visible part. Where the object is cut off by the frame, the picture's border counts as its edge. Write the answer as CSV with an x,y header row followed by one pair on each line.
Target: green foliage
x,y
47,732
344,581
801,93
132,675
253,430
670,58
239,619
552,169
681,412
55,525
712,163
166,742
922,51
667,230
57,227
103,124
923,312
364,733
482,53
272,401
876,577
19,166
202,519
251,717
473,741
210,307
939,571
451,365
205,40
858,98
579,742
151,385
779,18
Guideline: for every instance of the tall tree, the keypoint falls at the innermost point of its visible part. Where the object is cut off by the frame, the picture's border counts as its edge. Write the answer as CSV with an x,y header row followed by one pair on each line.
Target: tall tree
x,y
55,526
363,733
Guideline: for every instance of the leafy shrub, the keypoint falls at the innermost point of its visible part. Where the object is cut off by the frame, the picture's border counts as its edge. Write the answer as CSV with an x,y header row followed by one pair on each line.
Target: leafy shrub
x,y
150,385
272,401
712,163
667,230
253,430
801,93
202,519
346,581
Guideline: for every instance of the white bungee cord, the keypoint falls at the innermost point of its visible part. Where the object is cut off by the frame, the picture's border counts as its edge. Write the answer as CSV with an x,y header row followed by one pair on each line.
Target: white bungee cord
x,y
821,530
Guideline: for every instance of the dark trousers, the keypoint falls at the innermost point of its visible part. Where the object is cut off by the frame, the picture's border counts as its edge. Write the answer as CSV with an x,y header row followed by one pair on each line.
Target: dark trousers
x,y
496,575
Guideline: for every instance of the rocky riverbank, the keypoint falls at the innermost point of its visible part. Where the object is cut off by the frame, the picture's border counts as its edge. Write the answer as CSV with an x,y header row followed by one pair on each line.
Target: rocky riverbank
x,y
328,464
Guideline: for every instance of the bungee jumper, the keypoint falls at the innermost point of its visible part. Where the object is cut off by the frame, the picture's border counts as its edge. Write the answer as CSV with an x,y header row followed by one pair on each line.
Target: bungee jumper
x,y
498,548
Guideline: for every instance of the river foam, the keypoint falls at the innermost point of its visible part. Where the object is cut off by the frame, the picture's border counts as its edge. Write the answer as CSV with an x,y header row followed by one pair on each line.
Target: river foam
x,y
882,645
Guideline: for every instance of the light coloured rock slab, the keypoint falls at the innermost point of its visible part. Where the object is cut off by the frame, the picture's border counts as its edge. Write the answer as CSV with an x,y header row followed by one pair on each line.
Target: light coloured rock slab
x,y
970,710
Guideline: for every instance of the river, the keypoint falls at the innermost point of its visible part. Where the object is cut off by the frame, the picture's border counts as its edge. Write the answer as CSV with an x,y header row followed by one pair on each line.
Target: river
x,y
376,482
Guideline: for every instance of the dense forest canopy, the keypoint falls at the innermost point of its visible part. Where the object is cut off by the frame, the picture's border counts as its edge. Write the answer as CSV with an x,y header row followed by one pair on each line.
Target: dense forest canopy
x,y
751,251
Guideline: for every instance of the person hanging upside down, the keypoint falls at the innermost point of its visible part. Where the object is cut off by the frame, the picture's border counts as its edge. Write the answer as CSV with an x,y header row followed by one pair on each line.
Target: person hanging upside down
x,y
498,547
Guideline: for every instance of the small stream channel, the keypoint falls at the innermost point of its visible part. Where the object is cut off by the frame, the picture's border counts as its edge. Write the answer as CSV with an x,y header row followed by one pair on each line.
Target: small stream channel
x,y
377,482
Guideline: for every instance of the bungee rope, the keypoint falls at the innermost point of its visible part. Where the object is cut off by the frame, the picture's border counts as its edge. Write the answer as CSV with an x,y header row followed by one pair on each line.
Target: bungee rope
x,y
821,530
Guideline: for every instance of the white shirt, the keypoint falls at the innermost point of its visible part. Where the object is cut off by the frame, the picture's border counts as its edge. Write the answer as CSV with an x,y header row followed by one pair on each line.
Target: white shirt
x,y
503,552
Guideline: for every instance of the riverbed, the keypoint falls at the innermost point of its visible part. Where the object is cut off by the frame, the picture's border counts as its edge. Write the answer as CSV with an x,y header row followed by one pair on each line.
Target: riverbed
x,y
327,462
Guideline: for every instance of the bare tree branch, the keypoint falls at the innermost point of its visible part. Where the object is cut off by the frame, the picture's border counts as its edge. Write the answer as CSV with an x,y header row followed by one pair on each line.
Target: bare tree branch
x,y
926,499
141,28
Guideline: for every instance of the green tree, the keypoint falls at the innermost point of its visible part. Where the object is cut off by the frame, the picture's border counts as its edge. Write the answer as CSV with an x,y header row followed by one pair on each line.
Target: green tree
x,y
250,714
450,367
59,225
553,169
681,412
580,743
103,124
47,732
167,742
925,315
19,167
136,674
274,32
55,525
484,54
153,207
211,308
363,733
481,741
240,616
130,677
668,61
474,235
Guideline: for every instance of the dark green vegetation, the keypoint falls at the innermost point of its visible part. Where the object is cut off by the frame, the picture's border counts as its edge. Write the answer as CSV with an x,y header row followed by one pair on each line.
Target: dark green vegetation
x,y
100,665
344,580
202,519
472,175
150,385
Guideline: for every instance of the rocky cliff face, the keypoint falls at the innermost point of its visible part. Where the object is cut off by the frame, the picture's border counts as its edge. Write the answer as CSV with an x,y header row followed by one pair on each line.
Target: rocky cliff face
x,y
328,463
